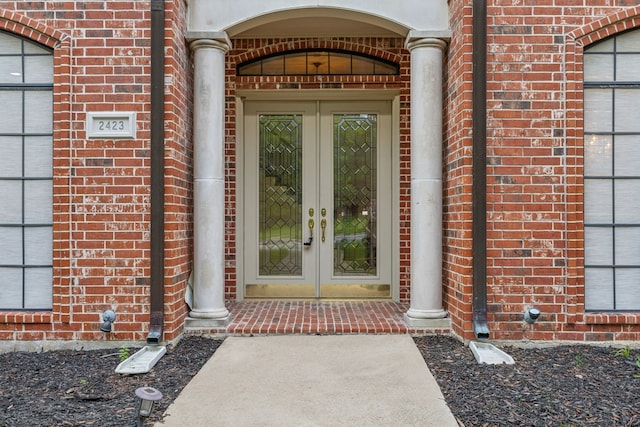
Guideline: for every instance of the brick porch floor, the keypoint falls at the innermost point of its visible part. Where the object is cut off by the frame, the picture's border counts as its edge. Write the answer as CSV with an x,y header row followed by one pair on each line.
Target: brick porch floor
x,y
320,317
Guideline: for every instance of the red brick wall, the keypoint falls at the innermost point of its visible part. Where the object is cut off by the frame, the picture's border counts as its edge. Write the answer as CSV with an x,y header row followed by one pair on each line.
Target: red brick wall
x,y
534,171
457,182
101,187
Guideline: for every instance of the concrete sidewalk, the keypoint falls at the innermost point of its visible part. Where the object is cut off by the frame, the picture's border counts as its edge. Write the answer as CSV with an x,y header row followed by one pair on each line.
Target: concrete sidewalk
x,y
307,380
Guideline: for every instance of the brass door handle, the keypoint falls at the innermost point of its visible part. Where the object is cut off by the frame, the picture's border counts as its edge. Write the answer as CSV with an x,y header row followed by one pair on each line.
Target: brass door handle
x,y
310,224
323,222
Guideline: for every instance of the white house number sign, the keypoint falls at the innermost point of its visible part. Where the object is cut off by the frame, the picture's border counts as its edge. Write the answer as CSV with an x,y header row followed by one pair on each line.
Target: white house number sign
x,y
111,125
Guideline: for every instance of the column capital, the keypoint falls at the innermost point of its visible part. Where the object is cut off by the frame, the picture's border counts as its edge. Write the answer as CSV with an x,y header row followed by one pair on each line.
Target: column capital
x,y
207,39
424,42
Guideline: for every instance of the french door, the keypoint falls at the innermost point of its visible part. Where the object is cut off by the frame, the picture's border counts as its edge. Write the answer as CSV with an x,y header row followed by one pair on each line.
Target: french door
x,y
317,199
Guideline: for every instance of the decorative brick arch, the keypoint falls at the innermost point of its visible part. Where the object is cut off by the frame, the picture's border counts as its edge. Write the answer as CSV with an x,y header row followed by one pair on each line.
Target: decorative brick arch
x,y
575,42
605,27
31,29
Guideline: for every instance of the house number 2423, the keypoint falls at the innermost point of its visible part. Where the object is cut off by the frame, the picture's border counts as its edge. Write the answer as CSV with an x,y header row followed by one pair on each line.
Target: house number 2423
x,y
113,125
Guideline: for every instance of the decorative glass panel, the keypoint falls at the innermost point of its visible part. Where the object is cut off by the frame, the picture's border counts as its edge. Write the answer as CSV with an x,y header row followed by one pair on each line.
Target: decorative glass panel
x,y
598,242
355,192
627,201
599,294
598,110
597,155
280,195
598,208
323,62
627,246
627,155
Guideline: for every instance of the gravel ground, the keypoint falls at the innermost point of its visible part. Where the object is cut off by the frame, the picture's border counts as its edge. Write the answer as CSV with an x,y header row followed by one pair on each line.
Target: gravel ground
x,y
560,386
81,388
572,385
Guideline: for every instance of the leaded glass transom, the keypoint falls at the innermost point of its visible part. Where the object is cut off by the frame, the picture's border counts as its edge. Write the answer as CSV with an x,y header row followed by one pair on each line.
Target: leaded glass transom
x,y
317,62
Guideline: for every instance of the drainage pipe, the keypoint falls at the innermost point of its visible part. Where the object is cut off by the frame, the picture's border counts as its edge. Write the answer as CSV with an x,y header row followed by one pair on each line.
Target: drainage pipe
x,y
479,170
157,173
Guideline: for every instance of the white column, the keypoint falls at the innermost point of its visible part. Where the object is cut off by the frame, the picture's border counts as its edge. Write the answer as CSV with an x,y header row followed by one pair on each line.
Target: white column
x,y
208,184
426,181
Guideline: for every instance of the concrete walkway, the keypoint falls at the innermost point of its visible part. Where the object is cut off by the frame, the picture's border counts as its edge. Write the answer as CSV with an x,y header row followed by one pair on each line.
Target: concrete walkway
x,y
307,380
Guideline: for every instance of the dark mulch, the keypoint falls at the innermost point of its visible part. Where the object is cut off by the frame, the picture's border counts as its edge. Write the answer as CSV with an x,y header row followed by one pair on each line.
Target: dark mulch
x,y
574,385
81,388
560,386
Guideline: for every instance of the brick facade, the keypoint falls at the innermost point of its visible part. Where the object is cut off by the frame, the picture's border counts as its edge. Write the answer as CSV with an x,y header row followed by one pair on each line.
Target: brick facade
x,y
534,173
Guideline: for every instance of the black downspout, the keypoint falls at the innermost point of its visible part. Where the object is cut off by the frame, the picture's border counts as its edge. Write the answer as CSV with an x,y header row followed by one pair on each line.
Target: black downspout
x,y
479,171
157,173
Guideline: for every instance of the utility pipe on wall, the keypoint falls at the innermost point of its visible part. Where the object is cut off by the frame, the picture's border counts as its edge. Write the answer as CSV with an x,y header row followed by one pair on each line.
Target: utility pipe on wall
x,y
157,173
479,170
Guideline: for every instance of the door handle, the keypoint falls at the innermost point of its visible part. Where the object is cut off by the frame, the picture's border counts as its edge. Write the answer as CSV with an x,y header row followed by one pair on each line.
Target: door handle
x,y
323,222
310,224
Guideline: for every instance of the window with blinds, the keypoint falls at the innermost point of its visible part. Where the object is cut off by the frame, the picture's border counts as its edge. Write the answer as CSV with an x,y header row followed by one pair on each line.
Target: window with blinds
x,y
26,184
612,173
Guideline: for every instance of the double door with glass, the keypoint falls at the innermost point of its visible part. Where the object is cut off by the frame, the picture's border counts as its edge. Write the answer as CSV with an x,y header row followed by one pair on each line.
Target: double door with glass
x,y
317,200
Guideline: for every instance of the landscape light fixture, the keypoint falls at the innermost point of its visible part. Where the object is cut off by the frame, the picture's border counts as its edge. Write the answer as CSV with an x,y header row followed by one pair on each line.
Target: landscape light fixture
x,y
147,395
108,317
531,315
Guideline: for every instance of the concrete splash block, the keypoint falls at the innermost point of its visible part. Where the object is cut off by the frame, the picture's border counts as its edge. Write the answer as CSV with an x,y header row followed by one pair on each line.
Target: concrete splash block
x,y
489,354
142,361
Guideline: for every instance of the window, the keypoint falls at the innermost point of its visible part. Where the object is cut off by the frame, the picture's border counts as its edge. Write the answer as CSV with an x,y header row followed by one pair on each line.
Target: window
x,y
612,173
26,184
317,62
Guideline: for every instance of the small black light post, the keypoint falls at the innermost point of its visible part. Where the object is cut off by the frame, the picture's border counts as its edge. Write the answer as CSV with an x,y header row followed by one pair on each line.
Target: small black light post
x,y
147,395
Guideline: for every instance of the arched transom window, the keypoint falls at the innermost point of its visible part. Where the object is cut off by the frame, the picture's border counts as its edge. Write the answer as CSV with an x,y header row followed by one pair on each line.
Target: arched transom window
x,y
317,62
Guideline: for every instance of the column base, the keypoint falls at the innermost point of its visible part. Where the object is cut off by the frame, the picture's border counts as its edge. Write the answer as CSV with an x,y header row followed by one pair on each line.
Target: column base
x,y
431,324
196,323
426,318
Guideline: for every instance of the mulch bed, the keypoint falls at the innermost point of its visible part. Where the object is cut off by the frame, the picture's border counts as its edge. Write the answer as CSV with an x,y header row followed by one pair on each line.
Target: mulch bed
x,y
574,385
81,388
571,385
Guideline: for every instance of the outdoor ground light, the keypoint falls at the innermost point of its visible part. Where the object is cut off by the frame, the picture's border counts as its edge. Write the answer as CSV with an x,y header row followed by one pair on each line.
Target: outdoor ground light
x,y
147,395
531,315
108,317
